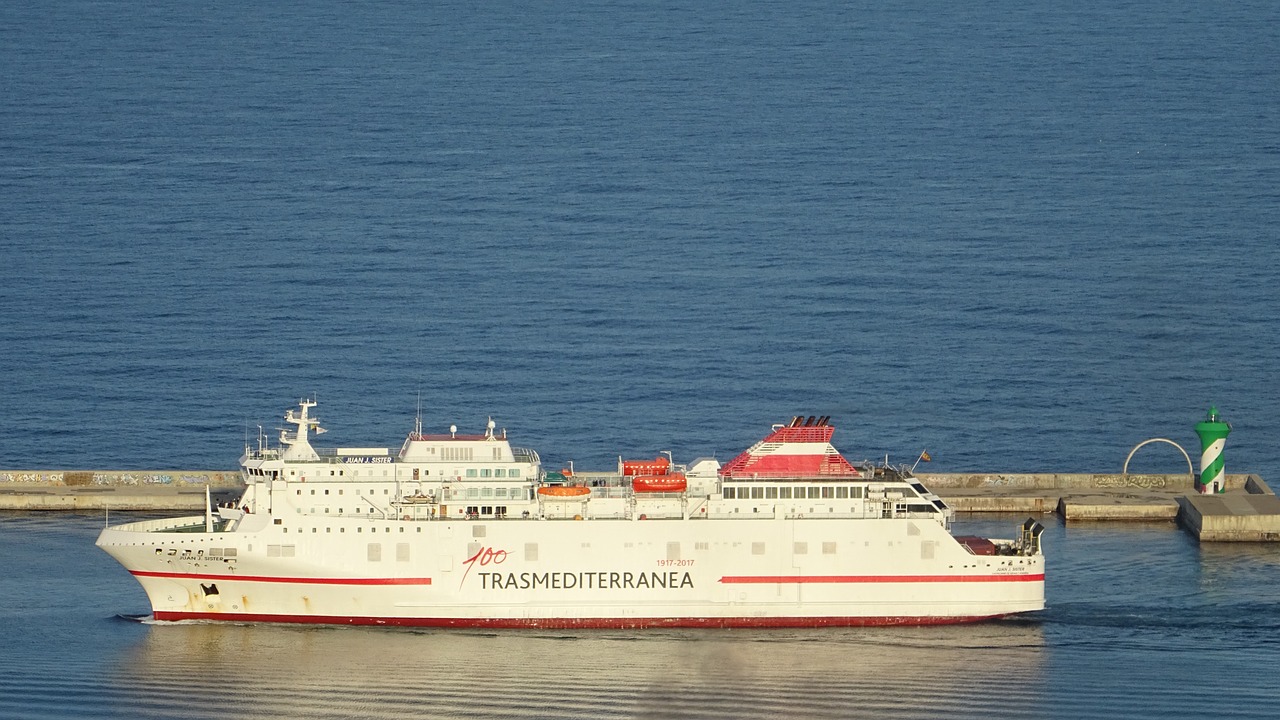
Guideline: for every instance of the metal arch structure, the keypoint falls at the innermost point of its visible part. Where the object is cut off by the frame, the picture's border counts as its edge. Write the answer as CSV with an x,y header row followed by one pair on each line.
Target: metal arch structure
x,y
1190,467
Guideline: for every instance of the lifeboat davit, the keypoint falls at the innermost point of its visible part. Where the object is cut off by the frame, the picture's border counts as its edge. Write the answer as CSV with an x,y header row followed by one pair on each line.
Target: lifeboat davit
x,y
564,492
675,482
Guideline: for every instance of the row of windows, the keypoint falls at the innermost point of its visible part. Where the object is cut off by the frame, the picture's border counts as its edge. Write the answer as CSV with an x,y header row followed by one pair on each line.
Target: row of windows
x,y
786,492
417,473
372,491
486,493
493,472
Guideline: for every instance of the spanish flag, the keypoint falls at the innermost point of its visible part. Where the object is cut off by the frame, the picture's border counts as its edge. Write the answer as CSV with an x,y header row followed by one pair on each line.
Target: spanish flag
x,y
924,455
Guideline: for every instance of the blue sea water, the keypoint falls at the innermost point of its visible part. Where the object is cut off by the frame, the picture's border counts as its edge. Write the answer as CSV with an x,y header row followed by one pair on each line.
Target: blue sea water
x,y
1023,237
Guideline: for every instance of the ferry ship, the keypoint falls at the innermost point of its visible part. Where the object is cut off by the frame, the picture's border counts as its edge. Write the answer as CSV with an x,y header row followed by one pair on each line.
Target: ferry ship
x,y
468,530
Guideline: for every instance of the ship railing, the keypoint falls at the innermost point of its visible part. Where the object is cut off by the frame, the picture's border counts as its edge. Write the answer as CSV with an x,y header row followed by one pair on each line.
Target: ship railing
x,y
609,491
525,455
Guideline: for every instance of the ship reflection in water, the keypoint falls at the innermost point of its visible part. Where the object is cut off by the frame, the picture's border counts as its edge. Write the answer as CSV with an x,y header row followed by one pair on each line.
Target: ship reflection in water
x,y
237,671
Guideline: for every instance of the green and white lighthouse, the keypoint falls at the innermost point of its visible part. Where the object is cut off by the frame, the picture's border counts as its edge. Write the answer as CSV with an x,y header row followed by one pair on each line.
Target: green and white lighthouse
x,y
1213,433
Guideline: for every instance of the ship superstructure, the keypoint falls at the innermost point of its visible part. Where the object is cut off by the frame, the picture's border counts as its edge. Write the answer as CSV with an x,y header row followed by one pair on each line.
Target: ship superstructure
x,y
468,530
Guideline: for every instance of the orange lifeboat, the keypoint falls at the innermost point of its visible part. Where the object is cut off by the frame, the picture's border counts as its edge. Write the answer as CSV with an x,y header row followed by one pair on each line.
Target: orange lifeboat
x,y
656,466
562,492
675,482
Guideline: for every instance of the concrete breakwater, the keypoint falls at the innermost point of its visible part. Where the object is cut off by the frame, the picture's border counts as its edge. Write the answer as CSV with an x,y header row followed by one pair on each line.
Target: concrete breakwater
x,y
1247,511
115,489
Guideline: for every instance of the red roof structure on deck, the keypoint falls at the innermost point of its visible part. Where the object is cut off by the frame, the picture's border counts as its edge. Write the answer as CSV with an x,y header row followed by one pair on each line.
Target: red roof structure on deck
x,y
800,449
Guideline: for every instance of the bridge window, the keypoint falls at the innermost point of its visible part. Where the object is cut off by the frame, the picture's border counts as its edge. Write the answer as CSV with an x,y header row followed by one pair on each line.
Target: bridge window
x,y
828,492
729,493
757,493
771,493
842,493
784,493
815,493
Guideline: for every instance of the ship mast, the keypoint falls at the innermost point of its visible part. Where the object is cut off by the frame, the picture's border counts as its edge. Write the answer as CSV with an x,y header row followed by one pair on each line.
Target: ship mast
x,y
296,446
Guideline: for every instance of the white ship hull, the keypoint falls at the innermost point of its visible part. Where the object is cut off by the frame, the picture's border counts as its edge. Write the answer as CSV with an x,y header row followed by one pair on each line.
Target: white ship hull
x,y
468,531
531,573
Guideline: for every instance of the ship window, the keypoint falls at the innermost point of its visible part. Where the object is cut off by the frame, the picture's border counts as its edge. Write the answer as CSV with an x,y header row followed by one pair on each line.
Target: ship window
x,y
486,472
471,472
486,492
828,492
815,492
326,491
828,548
842,493
784,493
771,493
299,492
499,473
328,530
700,546
313,492
500,511
339,489
514,472
757,493
757,548
729,493
375,552
473,493
385,491
486,509
499,492
801,548
359,529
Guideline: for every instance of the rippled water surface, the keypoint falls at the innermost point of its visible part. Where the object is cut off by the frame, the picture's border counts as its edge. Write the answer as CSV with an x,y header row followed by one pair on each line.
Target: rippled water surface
x,y
1023,236
1142,623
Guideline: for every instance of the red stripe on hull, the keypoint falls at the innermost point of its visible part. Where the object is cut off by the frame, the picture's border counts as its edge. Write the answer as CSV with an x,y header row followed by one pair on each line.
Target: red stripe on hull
x,y
271,579
583,623
787,579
